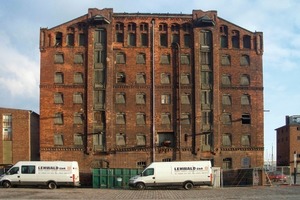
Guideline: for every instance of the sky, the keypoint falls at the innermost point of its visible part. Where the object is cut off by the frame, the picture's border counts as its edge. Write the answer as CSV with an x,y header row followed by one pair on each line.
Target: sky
x,y
279,21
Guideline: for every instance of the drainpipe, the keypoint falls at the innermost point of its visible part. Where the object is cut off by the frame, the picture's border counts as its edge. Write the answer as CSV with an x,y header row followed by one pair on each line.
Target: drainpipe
x,y
153,92
176,63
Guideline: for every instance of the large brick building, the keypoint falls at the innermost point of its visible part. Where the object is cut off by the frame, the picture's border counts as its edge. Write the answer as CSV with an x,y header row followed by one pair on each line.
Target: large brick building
x,y
121,90
288,140
20,135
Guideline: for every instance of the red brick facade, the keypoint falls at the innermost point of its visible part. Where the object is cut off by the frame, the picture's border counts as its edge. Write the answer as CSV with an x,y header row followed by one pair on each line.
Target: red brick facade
x,y
288,139
20,136
154,87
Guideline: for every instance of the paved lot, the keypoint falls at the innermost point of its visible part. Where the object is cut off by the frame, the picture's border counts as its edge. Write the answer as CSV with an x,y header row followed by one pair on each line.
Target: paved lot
x,y
275,192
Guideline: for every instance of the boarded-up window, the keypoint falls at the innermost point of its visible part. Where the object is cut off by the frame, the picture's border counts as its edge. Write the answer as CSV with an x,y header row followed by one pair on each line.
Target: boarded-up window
x,y
165,99
141,78
120,58
98,140
77,97
78,139
99,99
206,117
120,139
205,39
165,78
59,58
226,99
78,58
245,80
58,118
206,97
58,139
141,58
120,98
140,140
99,78
226,118
185,78
206,142
185,59
58,98
245,99
120,118
140,98
78,118
58,78
165,118
226,80
78,78
165,59
226,139
100,38
205,58
99,59
206,78
140,119
185,98
245,60
225,60
185,118
245,140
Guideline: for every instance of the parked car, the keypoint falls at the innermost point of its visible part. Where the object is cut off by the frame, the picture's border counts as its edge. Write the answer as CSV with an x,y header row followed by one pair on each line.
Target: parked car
x,y
277,176
4,168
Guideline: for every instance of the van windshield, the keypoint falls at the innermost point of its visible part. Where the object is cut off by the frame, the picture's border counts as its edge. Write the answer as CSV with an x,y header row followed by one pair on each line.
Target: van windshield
x,y
13,170
148,172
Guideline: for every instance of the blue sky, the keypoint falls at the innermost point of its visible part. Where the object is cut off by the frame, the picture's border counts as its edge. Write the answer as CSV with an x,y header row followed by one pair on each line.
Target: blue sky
x,y
279,21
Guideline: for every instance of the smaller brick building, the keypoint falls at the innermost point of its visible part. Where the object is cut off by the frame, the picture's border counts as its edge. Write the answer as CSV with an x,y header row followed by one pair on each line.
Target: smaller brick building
x,y
288,142
20,135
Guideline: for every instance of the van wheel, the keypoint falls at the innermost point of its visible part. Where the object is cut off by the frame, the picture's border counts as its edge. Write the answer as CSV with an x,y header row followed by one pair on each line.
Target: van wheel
x,y
188,185
6,184
52,185
140,186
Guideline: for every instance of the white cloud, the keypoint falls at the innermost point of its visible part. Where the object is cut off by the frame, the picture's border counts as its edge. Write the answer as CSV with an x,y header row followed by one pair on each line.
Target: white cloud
x,y
19,74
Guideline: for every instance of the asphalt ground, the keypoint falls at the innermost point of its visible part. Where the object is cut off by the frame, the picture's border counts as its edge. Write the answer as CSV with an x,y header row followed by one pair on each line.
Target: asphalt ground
x,y
285,192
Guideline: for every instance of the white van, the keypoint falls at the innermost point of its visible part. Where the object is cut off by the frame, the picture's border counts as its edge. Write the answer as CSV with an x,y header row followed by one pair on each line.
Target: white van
x,y
184,174
42,173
